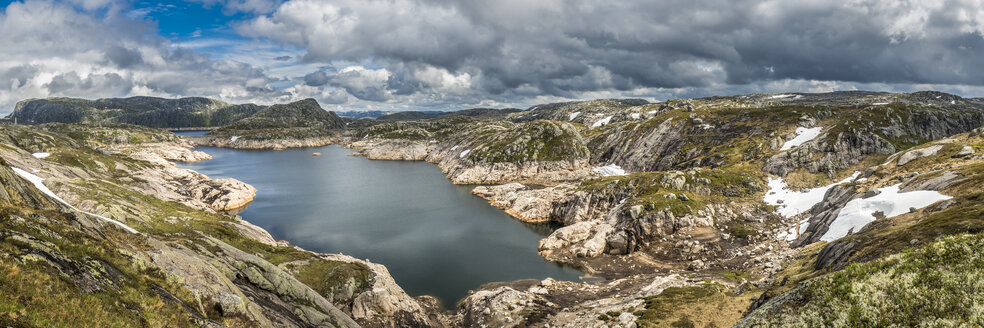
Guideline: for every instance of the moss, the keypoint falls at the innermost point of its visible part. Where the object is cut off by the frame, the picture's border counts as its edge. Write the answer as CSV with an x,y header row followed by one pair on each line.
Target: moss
x,y
702,187
530,142
704,305
939,284
328,278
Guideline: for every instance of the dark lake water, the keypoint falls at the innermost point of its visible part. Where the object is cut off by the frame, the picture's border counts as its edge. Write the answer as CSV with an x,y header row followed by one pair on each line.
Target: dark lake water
x,y
436,238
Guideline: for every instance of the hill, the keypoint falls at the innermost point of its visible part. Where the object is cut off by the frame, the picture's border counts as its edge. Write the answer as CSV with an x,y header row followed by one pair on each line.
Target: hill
x,y
296,120
146,111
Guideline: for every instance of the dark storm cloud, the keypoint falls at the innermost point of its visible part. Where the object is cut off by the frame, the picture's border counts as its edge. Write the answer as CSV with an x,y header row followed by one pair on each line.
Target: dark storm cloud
x,y
123,57
565,47
316,79
17,76
73,85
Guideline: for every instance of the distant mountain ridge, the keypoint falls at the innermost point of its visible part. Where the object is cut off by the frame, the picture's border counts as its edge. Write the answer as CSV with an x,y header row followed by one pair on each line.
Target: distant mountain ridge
x,y
147,111
299,119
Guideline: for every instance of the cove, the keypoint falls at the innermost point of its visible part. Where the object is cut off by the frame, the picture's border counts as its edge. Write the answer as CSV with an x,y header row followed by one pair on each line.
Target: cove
x,y
436,238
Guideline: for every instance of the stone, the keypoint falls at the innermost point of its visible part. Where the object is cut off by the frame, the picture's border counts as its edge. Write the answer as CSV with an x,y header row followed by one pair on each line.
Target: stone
x,y
635,211
965,151
674,180
918,153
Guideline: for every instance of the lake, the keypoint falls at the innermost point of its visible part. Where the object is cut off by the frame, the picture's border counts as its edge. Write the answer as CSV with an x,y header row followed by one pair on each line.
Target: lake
x,y
436,238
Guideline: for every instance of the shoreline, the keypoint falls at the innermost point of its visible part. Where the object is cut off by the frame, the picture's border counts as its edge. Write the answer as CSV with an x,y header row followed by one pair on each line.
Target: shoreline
x,y
585,272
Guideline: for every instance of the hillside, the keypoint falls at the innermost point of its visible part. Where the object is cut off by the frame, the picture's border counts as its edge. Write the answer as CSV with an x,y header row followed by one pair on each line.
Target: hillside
x,y
104,228
146,111
747,184
480,113
297,120
791,209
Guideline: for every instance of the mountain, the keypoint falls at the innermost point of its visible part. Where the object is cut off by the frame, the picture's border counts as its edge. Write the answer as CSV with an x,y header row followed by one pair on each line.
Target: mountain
x,y
296,120
146,111
797,209
753,195
481,113
355,114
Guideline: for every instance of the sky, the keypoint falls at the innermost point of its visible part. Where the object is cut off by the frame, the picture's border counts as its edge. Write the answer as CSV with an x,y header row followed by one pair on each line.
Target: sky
x,y
449,54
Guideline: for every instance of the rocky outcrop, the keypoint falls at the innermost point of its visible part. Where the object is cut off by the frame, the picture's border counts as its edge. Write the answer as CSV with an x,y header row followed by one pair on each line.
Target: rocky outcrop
x,y
218,277
385,304
165,152
521,202
146,111
266,144
918,153
640,150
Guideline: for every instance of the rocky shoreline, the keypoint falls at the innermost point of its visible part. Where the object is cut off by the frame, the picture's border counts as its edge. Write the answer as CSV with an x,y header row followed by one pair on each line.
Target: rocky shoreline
x,y
251,144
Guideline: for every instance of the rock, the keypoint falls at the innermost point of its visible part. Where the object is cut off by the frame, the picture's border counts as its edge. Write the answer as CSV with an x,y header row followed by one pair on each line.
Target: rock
x,y
496,307
315,154
528,205
696,265
618,243
965,151
567,235
635,211
627,320
230,304
918,153
674,180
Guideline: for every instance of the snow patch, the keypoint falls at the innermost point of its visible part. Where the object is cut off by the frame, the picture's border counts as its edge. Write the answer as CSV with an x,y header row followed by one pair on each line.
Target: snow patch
x,y
573,116
41,155
609,170
802,136
706,126
792,203
601,122
880,104
859,212
39,183
464,153
455,147
781,96
652,112
234,138
634,116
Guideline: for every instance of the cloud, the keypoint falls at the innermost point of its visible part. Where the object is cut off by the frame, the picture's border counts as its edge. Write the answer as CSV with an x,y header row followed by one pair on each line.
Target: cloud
x,y
230,7
452,54
565,48
315,79
64,50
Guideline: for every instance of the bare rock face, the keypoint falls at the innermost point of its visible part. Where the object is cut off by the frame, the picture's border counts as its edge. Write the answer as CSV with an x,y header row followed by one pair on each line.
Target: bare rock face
x,y
385,304
500,307
523,203
163,152
396,150
918,153
254,144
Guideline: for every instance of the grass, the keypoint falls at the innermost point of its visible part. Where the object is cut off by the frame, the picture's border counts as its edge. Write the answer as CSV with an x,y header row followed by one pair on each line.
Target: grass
x,y
703,305
939,284
705,186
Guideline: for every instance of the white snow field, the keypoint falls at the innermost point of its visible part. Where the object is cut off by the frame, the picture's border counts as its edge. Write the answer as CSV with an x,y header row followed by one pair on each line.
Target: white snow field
x,y
609,170
802,136
859,212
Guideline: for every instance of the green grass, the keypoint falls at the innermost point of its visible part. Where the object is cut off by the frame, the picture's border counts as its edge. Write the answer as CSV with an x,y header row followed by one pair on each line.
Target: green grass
x,y
939,284
703,305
